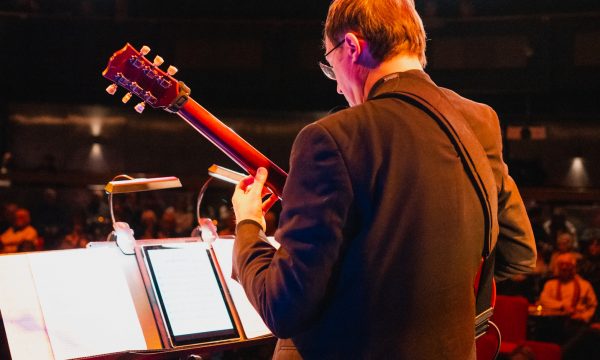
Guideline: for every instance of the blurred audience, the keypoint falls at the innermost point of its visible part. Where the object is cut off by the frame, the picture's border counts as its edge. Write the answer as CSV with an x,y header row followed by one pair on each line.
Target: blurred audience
x,y
87,218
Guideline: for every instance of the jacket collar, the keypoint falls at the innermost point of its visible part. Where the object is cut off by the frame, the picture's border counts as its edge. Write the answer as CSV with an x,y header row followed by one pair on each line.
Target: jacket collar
x,y
395,81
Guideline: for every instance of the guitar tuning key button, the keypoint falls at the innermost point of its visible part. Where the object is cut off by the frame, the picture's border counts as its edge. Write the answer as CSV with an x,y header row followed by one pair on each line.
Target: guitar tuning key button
x,y
158,61
172,70
140,107
111,89
126,98
145,50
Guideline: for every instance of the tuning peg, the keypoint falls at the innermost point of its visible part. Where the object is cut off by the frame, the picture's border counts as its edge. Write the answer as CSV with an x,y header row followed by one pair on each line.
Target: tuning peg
x,y
111,89
140,107
158,61
145,50
126,98
172,70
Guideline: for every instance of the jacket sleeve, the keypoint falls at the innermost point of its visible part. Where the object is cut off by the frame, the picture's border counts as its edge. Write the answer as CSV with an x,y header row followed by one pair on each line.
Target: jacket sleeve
x,y
515,248
516,252
289,286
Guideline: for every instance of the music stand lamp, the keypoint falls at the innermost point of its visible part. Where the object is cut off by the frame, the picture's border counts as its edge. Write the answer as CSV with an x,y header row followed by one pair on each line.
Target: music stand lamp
x,y
122,233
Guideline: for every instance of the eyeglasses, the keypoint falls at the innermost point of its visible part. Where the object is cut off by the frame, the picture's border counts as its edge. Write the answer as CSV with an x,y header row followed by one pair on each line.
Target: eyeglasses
x,y
324,64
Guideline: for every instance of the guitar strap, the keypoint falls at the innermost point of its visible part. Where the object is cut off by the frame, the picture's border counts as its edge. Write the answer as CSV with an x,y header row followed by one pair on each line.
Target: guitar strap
x,y
431,100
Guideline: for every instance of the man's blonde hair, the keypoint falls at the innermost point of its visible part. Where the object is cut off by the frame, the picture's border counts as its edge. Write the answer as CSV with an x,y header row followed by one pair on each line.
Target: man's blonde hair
x,y
390,27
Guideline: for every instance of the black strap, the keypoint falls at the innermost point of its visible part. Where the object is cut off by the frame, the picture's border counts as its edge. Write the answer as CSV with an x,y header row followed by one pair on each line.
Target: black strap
x,y
466,157
477,167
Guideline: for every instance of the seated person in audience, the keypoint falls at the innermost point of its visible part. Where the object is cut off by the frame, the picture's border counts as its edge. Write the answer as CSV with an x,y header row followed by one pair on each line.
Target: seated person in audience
x,y
558,223
543,242
148,225
565,244
227,223
592,231
168,224
184,218
542,268
19,232
76,238
26,246
569,292
7,214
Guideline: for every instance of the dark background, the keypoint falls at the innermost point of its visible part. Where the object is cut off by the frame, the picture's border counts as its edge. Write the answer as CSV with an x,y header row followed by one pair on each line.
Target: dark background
x,y
253,64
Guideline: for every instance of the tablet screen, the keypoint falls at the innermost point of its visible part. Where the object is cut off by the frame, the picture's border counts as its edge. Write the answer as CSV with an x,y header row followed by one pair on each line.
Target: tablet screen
x,y
191,299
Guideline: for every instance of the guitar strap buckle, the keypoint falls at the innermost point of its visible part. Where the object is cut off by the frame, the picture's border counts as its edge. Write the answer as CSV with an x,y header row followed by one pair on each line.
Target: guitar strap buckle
x,y
482,322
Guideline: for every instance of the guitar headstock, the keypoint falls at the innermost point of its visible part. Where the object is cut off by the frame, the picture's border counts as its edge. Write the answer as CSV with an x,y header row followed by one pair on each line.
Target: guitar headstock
x,y
131,70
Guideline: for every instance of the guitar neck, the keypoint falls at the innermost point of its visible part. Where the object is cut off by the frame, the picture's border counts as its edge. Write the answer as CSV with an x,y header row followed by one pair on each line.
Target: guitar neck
x,y
228,141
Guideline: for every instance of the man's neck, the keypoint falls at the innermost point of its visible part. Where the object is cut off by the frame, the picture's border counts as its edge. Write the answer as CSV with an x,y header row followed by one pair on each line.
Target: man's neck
x,y
399,63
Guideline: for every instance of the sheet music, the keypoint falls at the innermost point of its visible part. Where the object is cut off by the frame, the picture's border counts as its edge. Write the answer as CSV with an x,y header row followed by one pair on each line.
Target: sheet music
x,y
21,313
87,305
253,324
190,289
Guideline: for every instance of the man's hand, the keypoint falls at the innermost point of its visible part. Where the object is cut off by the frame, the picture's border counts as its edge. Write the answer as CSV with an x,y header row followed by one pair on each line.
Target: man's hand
x,y
247,198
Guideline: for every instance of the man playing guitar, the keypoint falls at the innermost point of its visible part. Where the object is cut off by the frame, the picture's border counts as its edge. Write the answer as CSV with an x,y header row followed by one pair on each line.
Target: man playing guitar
x,y
388,207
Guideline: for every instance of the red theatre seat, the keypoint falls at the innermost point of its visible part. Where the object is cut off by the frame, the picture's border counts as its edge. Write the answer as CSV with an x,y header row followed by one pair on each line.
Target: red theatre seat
x,y
510,314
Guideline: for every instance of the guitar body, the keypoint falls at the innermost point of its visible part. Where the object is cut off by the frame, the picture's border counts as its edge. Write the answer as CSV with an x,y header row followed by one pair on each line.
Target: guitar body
x,y
131,70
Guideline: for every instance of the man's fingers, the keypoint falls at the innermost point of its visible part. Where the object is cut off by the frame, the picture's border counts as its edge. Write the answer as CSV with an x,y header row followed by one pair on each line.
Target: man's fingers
x,y
261,175
259,180
245,182
270,201
254,184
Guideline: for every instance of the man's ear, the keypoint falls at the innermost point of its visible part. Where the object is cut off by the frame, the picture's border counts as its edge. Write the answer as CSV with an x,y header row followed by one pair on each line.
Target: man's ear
x,y
355,46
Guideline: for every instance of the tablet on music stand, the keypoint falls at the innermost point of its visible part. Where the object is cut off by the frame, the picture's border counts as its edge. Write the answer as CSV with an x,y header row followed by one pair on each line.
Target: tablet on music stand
x,y
188,290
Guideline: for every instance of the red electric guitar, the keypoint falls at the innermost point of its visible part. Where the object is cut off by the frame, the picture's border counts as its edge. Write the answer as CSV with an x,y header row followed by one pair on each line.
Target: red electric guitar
x,y
131,70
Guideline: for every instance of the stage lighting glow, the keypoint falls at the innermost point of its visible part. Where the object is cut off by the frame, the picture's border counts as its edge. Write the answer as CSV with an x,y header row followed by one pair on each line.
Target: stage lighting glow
x,y
577,175
96,127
